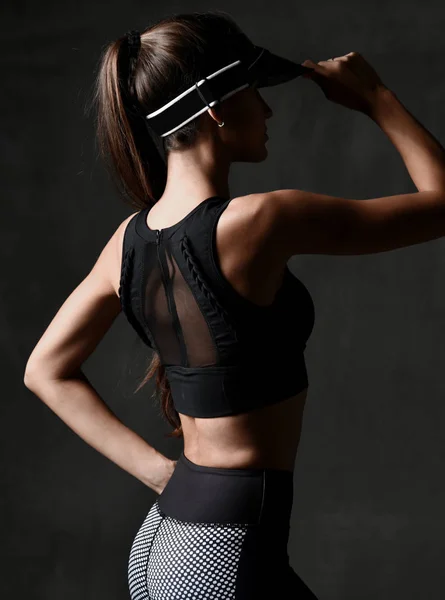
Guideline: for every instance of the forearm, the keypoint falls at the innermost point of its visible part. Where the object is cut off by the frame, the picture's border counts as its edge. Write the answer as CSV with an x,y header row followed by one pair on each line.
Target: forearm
x,y
423,155
77,403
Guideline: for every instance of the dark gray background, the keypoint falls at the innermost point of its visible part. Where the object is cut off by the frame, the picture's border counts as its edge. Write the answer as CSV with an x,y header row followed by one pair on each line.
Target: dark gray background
x,y
368,518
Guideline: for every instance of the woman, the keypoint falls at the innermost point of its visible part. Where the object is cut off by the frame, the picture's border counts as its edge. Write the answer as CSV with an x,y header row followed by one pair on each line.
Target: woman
x,y
203,280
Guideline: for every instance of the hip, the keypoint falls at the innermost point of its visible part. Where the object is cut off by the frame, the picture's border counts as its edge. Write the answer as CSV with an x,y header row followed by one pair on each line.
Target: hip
x,y
216,533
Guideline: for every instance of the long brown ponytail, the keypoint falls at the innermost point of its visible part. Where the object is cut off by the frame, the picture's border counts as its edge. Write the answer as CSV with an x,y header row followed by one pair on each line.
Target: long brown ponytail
x,y
175,52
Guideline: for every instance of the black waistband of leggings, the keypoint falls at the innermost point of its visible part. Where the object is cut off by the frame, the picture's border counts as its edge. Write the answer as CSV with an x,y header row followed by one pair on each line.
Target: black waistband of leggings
x,y
197,493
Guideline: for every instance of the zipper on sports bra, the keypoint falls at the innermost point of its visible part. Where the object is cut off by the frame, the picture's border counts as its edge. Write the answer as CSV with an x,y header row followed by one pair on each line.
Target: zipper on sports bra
x,y
158,242
158,252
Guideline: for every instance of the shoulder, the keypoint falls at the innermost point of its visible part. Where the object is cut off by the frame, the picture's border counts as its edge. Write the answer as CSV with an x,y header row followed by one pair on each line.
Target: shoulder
x,y
254,215
110,258
244,211
246,231
262,205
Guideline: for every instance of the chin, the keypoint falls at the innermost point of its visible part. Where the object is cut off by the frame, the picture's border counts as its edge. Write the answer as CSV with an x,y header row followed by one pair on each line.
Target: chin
x,y
262,154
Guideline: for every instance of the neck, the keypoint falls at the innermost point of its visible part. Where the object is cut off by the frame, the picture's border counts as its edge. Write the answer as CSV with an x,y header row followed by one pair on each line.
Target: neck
x,y
197,173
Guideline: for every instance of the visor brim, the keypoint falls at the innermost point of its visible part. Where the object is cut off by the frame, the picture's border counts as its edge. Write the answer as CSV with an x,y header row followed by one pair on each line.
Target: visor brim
x,y
271,69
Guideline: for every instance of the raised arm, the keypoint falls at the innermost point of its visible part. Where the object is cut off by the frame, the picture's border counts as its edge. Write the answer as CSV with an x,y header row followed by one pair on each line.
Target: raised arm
x,y
302,222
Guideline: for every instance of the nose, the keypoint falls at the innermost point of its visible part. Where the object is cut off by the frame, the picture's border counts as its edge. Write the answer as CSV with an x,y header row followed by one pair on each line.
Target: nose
x,y
267,110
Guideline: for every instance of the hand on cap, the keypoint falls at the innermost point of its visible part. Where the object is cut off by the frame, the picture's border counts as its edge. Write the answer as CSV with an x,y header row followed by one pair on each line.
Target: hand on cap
x,y
348,80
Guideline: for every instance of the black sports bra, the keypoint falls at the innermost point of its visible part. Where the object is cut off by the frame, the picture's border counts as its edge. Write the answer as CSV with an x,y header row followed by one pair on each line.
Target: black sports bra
x,y
222,353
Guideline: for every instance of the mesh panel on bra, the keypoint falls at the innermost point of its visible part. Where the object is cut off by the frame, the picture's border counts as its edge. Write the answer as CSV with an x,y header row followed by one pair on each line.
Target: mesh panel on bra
x,y
168,300
171,311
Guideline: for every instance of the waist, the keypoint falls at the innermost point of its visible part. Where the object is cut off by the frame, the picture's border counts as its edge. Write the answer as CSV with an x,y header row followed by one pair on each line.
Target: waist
x,y
263,438
253,496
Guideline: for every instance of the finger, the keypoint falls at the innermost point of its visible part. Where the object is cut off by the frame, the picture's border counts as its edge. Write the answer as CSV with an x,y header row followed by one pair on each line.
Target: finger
x,y
311,64
341,58
319,72
327,64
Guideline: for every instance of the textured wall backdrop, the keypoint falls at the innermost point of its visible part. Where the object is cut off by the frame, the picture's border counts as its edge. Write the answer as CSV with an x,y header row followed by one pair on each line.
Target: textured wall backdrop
x,y
368,516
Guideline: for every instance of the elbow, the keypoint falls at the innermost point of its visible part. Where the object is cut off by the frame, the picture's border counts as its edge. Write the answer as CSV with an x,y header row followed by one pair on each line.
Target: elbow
x,y
33,373
29,377
38,375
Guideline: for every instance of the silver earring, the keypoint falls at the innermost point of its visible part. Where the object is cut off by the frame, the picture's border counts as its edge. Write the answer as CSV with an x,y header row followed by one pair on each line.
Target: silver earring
x,y
221,124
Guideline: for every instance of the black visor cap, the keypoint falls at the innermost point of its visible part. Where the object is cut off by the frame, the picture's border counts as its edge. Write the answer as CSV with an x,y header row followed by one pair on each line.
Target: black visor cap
x,y
253,66
270,69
